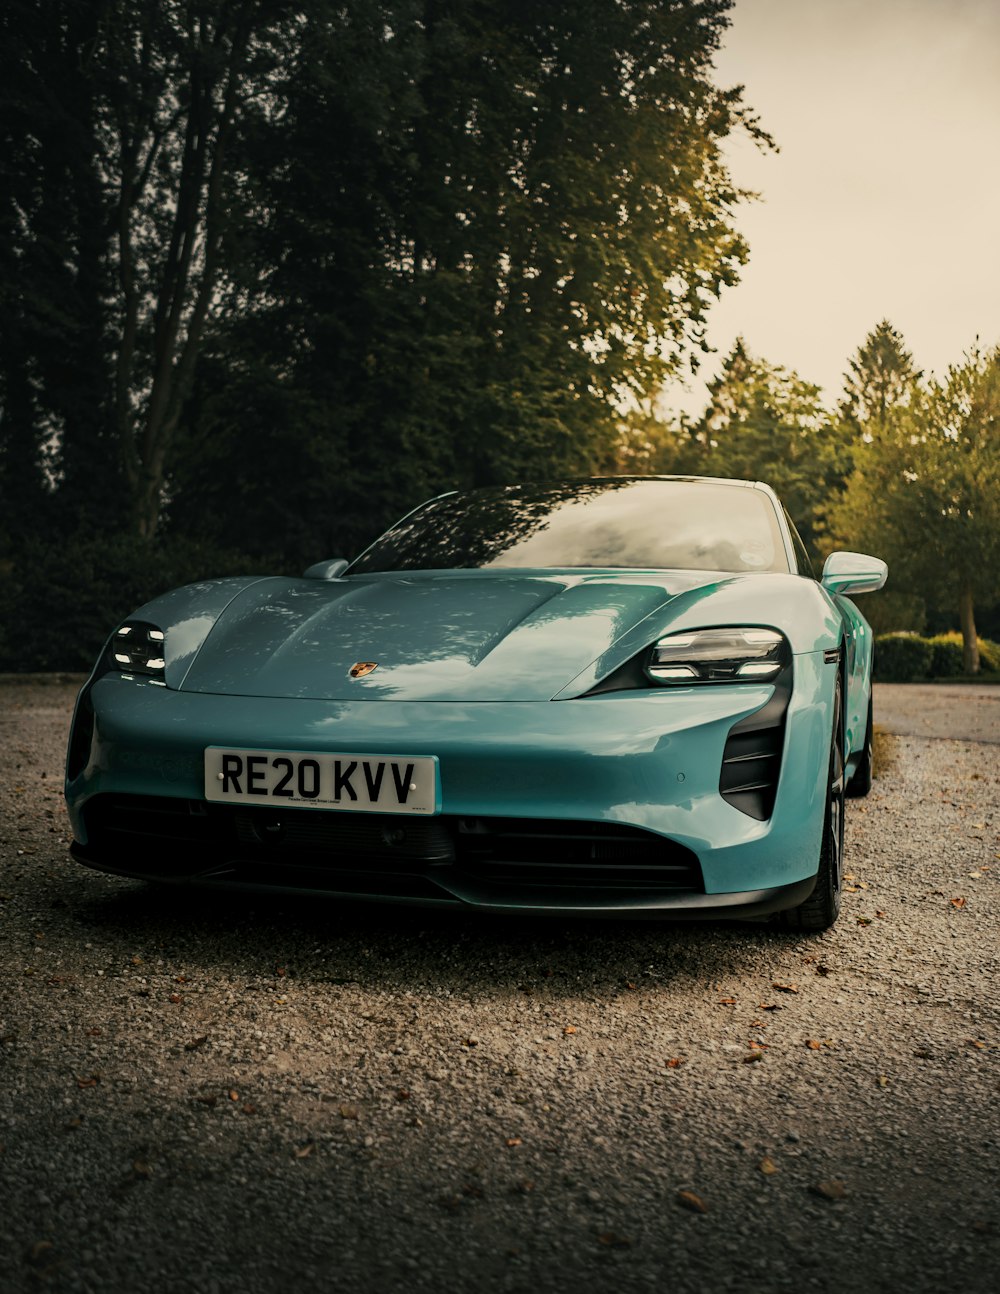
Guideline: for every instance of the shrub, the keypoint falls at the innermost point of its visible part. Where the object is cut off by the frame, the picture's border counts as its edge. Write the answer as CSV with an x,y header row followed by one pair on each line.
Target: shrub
x,y
902,657
947,658
59,601
989,655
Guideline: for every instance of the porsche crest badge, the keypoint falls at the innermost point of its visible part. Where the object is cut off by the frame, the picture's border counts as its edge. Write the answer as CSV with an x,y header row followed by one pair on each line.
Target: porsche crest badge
x,y
363,667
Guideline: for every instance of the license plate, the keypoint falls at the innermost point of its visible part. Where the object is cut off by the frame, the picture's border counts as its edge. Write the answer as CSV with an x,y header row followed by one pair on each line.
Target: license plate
x,y
359,783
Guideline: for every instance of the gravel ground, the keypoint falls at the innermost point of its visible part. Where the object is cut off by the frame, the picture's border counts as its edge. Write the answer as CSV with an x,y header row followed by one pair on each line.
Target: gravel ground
x,y
216,1095
969,711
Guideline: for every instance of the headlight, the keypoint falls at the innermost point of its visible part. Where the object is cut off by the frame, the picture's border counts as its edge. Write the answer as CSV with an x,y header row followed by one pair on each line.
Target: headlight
x,y
137,648
741,655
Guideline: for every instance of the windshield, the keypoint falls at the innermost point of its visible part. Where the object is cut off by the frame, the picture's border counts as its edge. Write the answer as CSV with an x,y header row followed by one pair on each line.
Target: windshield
x,y
615,522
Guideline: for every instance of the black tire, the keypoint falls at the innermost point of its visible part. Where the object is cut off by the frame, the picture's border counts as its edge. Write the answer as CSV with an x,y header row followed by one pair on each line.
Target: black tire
x,y
861,781
820,909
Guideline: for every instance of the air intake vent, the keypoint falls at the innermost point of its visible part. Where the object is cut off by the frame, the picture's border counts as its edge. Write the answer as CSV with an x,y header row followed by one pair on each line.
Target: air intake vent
x,y
751,762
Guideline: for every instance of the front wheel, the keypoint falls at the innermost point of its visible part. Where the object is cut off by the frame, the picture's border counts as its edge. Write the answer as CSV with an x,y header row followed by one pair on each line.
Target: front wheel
x,y
820,909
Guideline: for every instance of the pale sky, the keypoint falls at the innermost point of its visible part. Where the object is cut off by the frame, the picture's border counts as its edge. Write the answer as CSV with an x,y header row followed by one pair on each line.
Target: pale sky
x,y
884,201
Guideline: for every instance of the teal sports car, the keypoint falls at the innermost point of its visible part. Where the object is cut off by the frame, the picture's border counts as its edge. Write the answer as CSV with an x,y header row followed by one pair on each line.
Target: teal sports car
x,y
621,696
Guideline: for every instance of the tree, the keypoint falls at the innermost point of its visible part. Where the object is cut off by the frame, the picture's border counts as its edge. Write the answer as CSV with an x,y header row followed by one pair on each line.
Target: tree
x,y
764,422
179,77
879,378
346,253
500,218
925,492
54,283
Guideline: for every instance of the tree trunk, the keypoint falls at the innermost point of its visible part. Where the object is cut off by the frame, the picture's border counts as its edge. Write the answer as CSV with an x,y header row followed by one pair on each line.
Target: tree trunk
x,y
970,643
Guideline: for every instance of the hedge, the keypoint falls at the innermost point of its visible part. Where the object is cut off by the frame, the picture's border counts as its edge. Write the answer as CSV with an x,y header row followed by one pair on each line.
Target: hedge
x,y
901,657
905,657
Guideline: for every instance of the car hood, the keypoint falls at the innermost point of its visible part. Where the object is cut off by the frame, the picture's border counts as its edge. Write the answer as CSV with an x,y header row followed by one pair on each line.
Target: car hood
x,y
459,635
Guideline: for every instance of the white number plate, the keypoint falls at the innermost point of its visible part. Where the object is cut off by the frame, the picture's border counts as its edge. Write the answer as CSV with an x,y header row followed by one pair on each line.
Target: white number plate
x,y
360,783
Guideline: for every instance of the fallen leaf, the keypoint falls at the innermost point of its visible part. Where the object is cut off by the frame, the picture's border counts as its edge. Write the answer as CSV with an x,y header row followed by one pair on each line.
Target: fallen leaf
x,y
674,1062
974,1042
569,1028
512,1141
814,1044
864,921
614,1241
248,1108
175,997
195,1043
881,915
754,1055
831,1190
767,1166
402,1094
786,988
90,1081
768,1006
883,1080
688,1200
958,903
470,1042
233,1094
302,1152
141,1168
727,1001
822,969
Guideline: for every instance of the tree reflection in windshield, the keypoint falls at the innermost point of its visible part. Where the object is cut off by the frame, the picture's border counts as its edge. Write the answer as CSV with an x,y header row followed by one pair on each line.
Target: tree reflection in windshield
x,y
618,522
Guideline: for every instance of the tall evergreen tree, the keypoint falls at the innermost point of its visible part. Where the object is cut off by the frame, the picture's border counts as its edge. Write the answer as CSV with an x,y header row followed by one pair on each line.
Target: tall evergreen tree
x,y
879,377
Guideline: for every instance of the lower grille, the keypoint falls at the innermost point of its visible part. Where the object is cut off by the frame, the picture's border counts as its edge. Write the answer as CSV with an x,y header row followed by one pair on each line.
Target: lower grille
x,y
528,851
303,848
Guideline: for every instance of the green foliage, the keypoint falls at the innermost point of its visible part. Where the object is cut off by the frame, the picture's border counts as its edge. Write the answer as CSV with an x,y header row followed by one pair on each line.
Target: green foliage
x,y
946,656
766,423
48,625
879,380
989,651
902,658
888,611
925,492
907,657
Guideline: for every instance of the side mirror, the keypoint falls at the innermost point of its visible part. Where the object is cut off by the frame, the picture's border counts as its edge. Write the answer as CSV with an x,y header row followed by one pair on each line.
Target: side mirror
x,y
328,570
853,573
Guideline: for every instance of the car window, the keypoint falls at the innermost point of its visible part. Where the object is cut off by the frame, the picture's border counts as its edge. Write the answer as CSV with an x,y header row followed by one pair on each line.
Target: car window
x,y
613,522
803,561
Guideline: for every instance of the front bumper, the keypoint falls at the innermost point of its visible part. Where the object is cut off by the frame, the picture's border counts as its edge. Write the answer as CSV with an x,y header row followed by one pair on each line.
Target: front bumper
x,y
643,762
